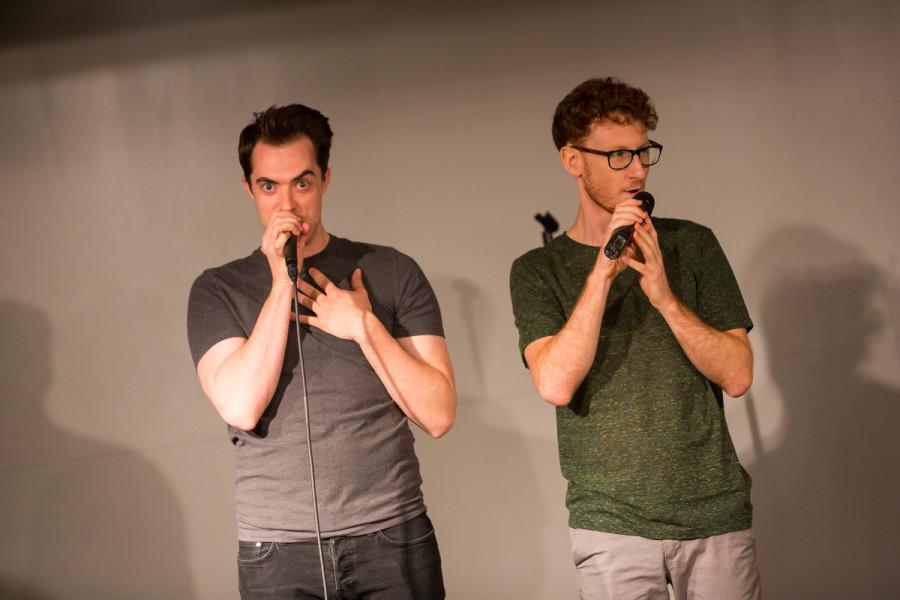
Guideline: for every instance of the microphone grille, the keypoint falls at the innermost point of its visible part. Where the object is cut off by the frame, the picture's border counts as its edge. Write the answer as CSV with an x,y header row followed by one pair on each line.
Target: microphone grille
x,y
647,201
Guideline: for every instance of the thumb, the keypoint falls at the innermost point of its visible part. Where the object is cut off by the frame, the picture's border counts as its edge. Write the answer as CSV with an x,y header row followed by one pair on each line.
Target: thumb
x,y
356,279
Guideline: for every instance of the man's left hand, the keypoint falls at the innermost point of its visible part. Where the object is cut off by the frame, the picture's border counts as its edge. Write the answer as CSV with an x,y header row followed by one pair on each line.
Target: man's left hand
x,y
652,271
339,312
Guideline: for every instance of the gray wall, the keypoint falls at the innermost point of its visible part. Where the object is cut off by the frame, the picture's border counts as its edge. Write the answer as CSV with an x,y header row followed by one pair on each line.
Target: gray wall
x,y
121,183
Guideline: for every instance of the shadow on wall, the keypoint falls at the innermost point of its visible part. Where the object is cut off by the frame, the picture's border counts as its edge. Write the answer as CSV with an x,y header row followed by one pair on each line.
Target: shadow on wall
x,y
80,518
826,498
480,480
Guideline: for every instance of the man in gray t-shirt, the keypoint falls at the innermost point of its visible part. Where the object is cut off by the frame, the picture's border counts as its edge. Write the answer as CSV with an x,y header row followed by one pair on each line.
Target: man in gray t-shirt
x,y
374,356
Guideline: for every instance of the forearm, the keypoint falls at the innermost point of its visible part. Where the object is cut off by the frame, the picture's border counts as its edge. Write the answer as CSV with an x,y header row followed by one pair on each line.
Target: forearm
x,y
424,393
562,363
246,379
723,358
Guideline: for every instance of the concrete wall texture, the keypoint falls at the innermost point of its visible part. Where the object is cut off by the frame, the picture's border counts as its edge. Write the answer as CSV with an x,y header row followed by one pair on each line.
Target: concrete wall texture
x,y
120,181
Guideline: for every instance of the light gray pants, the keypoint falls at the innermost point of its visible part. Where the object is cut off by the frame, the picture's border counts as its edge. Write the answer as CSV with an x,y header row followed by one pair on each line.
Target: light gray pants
x,y
626,567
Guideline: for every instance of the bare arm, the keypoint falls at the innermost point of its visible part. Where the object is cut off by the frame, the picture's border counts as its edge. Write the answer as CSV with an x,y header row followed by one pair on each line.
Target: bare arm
x,y
724,357
416,371
559,363
417,374
240,375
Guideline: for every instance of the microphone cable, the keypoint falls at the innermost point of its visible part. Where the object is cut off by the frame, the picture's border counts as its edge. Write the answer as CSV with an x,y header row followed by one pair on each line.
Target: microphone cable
x,y
291,263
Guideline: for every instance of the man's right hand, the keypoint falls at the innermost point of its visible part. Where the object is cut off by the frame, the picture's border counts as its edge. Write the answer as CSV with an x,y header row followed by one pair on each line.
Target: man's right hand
x,y
626,213
282,225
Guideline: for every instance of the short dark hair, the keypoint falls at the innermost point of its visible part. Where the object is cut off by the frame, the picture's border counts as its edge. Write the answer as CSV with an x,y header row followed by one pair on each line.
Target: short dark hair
x,y
279,125
598,99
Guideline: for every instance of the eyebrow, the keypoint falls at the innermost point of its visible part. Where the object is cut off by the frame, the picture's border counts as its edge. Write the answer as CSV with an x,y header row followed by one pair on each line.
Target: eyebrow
x,y
297,178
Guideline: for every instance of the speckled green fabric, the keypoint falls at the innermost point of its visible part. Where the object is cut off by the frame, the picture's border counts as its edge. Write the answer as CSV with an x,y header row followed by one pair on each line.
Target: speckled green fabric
x,y
643,444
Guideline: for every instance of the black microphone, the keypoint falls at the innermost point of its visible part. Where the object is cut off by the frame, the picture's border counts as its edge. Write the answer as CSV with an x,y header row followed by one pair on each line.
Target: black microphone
x,y
622,235
549,224
290,257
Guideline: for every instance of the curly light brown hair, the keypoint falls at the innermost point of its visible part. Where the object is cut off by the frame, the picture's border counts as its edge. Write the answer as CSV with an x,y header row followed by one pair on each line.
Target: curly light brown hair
x,y
598,99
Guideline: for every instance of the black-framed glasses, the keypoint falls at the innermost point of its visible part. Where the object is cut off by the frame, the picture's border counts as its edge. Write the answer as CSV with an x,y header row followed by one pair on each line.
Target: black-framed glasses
x,y
620,159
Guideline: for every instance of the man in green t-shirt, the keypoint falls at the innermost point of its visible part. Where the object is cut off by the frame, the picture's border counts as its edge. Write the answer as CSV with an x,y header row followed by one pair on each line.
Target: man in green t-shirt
x,y
635,354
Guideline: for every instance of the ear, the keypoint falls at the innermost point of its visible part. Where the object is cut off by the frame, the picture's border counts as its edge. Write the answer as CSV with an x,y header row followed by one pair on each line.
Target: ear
x,y
571,160
247,187
326,179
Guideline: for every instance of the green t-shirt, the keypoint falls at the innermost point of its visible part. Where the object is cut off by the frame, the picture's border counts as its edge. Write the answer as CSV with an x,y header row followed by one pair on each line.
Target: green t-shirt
x,y
643,443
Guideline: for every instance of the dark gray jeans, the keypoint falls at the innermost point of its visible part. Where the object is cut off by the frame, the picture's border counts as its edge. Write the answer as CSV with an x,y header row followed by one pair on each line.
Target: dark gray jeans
x,y
397,563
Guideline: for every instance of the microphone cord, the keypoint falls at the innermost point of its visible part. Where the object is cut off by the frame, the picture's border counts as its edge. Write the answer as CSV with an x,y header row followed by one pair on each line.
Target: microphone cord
x,y
312,472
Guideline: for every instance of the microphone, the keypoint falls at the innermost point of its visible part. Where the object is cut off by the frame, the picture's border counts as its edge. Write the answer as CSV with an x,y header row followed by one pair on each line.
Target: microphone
x,y
290,257
549,224
622,235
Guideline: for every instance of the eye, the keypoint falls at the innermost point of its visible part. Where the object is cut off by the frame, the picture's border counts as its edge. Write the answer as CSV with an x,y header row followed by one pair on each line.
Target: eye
x,y
267,186
302,184
620,155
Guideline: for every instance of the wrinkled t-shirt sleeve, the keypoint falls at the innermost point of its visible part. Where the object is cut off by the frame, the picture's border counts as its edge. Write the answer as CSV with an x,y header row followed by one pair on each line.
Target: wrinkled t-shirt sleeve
x,y
719,301
416,306
537,311
210,319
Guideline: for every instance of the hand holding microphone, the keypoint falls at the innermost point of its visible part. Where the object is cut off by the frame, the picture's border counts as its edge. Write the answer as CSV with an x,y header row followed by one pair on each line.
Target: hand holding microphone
x,y
622,236
280,244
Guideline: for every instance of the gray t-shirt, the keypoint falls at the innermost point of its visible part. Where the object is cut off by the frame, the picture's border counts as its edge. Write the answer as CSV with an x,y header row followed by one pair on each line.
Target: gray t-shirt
x,y
367,473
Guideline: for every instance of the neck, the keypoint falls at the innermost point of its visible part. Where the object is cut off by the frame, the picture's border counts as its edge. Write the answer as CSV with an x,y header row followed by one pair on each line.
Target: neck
x,y
317,242
590,223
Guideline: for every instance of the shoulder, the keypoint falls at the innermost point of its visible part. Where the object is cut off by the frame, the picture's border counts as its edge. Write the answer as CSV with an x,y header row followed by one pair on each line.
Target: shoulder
x,y
542,255
533,256
230,272
370,255
684,235
550,258
680,227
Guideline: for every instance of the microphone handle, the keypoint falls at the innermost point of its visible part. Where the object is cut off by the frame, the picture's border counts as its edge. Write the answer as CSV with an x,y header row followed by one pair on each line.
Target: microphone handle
x,y
290,257
622,236
618,241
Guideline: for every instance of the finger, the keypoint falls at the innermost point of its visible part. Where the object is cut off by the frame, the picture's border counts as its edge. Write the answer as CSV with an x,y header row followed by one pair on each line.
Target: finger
x,y
307,302
651,228
646,244
281,240
320,279
626,203
309,320
356,280
308,290
636,265
631,206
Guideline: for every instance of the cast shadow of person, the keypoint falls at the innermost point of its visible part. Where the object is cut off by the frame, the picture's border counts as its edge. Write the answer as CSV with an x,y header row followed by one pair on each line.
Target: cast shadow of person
x,y
81,518
826,497
480,480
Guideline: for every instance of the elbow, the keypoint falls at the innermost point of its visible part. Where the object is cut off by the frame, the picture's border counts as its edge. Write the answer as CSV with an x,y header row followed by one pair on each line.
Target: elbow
x,y
439,426
240,419
558,400
738,386
738,389
555,395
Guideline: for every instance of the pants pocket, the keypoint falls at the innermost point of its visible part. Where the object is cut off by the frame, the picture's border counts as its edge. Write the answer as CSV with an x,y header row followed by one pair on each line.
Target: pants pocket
x,y
250,553
414,531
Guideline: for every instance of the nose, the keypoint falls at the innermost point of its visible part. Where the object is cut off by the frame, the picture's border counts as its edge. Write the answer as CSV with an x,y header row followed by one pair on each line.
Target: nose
x,y
285,199
636,169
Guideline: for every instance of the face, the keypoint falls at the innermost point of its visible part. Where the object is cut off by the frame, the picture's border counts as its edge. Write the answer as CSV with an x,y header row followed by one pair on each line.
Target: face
x,y
288,178
603,185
